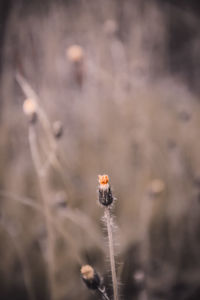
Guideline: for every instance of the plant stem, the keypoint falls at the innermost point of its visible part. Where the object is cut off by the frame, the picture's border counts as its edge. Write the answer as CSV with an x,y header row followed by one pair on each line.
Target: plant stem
x,y
47,212
111,252
103,293
22,257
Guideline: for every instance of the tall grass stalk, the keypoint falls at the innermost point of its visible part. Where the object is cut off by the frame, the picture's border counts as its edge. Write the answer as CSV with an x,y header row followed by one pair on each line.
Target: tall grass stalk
x,y
52,158
54,223
106,199
111,252
47,212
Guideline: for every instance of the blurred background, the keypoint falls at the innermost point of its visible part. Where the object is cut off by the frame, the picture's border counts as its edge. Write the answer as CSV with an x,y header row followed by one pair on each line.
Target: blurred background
x,y
113,88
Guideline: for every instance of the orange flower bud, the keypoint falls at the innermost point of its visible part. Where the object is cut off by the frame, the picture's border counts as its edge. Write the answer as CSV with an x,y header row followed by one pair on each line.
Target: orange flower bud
x,y
103,179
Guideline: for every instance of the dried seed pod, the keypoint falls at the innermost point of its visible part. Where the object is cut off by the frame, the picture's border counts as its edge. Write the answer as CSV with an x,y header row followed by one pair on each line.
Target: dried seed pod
x,y
105,192
75,53
90,277
57,129
30,110
157,186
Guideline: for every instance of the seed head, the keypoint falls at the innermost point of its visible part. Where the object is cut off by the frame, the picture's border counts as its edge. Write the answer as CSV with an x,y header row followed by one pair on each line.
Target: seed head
x,y
30,110
90,277
105,193
75,53
157,186
87,272
57,129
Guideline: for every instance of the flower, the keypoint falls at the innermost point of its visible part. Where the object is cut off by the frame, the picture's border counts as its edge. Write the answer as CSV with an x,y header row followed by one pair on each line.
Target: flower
x,y
103,179
30,109
105,193
90,277
87,272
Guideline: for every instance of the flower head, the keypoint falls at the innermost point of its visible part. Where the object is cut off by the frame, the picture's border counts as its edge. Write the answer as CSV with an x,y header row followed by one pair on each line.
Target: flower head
x,y
30,109
157,186
90,277
75,53
87,272
103,179
105,193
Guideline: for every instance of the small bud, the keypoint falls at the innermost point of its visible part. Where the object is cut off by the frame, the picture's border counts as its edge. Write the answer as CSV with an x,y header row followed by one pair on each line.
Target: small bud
x,y
57,129
103,179
75,53
30,110
90,277
157,186
139,276
60,201
105,193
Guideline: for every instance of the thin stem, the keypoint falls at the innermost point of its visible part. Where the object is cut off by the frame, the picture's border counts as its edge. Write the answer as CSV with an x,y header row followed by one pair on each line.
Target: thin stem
x,y
111,252
47,213
53,159
103,293
30,93
63,233
76,217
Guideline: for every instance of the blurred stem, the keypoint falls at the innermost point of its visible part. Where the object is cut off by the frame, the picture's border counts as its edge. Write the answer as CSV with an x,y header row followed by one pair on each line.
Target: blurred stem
x,y
74,216
52,158
47,213
30,93
22,258
111,252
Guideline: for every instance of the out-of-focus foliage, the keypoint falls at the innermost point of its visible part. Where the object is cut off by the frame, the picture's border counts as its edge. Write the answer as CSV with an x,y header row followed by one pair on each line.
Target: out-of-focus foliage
x,y
123,114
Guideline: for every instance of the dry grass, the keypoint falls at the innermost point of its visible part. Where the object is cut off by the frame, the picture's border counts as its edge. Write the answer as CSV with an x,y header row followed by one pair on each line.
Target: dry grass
x,y
123,114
